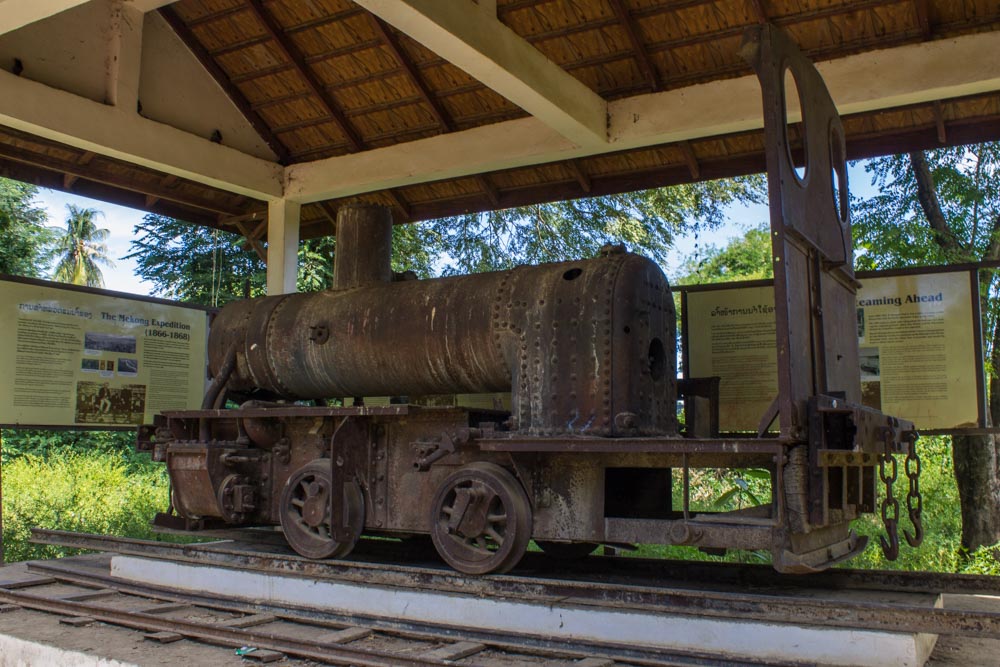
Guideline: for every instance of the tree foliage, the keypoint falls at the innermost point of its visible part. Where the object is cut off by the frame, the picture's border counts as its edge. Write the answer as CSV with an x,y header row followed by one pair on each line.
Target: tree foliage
x,y
747,257
194,263
943,207
212,267
956,222
81,248
646,221
25,241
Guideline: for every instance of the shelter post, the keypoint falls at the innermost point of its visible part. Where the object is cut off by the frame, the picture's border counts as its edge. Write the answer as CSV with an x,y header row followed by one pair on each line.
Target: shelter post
x,y
2,560
282,245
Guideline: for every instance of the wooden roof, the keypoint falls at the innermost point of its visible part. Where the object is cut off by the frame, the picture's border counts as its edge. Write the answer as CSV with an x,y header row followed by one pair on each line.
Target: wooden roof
x,y
323,78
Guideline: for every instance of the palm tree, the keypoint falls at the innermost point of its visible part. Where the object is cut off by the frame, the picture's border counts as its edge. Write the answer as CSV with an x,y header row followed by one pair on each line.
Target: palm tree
x,y
80,248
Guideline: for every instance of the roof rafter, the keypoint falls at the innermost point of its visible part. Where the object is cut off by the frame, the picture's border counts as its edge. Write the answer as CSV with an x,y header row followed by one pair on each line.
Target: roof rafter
x,y
641,57
923,15
234,94
292,54
489,51
392,43
949,68
440,113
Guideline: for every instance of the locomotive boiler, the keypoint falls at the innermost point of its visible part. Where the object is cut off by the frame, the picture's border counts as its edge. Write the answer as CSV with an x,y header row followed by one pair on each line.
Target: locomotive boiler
x,y
589,450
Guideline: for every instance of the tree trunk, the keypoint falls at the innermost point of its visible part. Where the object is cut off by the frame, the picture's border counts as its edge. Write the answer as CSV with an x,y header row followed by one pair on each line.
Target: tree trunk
x,y
975,458
977,463
977,472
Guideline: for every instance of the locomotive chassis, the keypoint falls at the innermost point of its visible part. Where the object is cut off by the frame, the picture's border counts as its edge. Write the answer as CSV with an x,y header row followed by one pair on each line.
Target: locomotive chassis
x,y
565,478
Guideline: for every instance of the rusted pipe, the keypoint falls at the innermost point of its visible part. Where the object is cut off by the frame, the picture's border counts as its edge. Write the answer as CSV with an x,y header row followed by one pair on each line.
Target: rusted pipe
x,y
221,378
364,247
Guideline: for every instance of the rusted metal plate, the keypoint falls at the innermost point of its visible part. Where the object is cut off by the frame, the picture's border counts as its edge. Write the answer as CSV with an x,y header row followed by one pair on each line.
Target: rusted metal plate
x,y
635,445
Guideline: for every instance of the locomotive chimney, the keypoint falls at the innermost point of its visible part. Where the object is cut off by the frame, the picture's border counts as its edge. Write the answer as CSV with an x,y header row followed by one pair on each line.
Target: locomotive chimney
x,y
364,246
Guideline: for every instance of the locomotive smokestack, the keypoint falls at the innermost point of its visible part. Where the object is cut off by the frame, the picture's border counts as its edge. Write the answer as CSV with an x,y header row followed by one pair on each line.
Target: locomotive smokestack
x,y
364,246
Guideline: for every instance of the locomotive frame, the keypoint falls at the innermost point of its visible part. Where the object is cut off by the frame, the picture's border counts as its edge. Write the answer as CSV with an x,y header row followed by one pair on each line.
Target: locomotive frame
x,y
483,483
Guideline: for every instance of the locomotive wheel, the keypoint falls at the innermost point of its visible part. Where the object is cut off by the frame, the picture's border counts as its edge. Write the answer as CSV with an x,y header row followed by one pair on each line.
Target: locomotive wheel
x,y
481,519
305,512
566,550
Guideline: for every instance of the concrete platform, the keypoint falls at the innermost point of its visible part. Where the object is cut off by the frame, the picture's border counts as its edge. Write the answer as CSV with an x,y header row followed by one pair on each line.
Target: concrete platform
x,y
36,638
747,640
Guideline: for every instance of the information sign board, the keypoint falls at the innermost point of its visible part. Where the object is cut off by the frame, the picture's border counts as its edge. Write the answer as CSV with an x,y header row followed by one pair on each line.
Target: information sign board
x,y
92,358
918,338
918,348
731,334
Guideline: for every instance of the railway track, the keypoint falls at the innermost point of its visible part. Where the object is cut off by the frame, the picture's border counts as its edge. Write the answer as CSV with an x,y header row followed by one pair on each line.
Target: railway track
x,y
698,589
624,570
84,597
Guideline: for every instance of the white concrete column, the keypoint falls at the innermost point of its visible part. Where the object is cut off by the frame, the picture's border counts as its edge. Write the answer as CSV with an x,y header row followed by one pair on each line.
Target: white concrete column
x,y
124,58
282,245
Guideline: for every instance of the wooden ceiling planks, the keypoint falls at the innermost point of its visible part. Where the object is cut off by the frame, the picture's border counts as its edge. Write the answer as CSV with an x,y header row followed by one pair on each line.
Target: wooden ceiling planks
x,y
325,78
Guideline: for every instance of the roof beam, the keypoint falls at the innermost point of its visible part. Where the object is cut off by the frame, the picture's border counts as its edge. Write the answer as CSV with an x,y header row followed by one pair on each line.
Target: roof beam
x,y
863,82
57,115
489,51
16,14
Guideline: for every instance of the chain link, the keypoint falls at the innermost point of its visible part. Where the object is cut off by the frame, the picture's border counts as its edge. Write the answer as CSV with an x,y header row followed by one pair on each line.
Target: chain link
x,y
914,501
890,506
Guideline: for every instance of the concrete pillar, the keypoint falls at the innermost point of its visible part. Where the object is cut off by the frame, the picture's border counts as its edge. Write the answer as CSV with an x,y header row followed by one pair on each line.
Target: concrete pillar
x,y
282,245
124,56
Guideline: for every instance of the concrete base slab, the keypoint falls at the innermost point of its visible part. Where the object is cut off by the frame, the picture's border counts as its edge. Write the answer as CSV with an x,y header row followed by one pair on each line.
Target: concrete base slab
x,y
16,652
728,637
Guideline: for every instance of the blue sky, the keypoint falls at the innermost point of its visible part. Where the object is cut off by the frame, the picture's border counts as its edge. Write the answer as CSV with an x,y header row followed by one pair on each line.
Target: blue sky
x,y
121,221
118,220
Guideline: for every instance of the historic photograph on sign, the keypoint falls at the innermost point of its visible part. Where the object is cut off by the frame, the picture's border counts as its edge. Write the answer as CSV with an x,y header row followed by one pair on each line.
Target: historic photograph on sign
x,y
101,403
102,342
871,379
128,366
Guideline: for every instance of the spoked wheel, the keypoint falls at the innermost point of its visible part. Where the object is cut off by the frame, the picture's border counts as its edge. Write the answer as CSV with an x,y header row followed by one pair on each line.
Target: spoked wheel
x,y
481,519
305,512
566,550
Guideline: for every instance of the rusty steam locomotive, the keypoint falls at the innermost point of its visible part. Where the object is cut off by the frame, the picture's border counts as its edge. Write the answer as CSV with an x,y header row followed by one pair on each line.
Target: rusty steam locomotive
x,y
589,450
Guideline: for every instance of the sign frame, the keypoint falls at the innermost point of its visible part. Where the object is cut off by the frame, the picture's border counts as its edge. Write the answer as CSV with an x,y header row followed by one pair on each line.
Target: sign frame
x,y
97,291
972,269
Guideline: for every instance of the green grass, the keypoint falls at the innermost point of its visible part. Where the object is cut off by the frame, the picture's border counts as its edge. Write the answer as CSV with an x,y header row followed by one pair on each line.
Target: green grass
x,y
941,550
96,483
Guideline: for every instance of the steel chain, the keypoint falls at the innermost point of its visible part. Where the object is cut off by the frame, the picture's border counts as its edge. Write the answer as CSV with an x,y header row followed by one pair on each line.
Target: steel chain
x,y
914,501
890,506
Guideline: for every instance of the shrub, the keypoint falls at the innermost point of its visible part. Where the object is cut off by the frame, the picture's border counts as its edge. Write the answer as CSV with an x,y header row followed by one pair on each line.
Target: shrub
x,y
98,492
